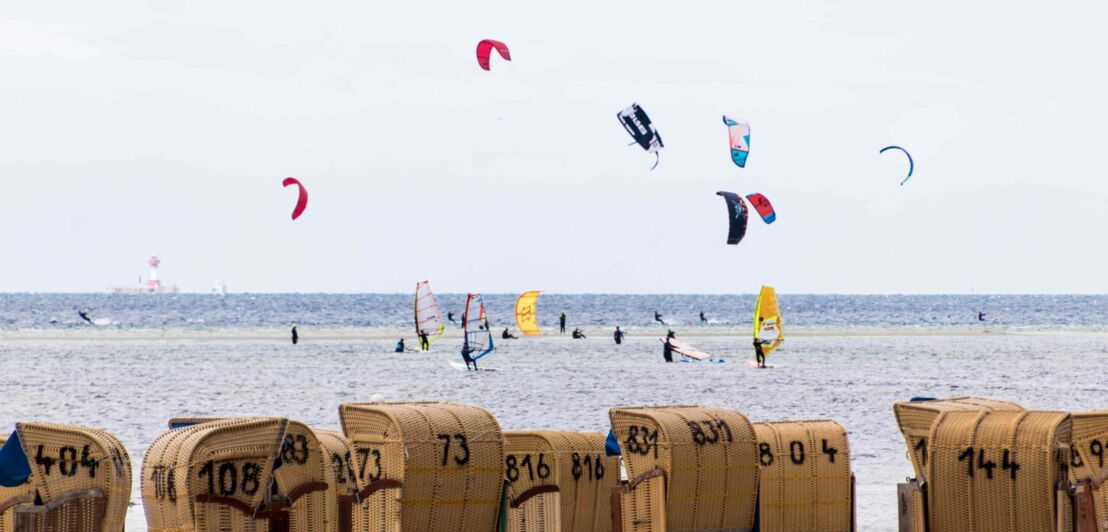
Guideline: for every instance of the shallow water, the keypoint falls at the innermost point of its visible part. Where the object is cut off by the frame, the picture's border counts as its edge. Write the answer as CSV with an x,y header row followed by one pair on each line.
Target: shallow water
x,y
131,384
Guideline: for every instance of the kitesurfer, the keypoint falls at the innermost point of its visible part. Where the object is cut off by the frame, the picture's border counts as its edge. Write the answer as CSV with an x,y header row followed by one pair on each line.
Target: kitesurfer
x,y
703,320
618,335
562,323
424,341
295,335
468,359
577,334
399,346
84,314
507,335
980,316
667,348
658,317
450,316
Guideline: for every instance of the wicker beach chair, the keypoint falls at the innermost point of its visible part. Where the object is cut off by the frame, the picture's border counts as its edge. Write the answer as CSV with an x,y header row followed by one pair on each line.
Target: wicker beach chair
x,y
689,468
9,497
998,471
805,481
915,418
427,466
344,483
81,476
1088,473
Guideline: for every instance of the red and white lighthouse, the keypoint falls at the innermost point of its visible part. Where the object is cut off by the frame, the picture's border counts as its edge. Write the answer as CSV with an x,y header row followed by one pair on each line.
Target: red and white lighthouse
x,y
154,285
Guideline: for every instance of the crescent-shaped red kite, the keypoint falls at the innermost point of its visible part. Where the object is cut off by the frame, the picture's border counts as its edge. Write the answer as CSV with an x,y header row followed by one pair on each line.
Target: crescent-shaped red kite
x,y
484,50
301,200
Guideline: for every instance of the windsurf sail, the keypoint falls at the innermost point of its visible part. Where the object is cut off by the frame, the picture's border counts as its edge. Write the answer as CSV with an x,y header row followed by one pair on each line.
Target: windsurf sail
x,y
427,315
687,350
478,337
767,319
526,315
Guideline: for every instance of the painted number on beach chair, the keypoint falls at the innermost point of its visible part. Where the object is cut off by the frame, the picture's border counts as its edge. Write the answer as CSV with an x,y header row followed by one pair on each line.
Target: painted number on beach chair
x,y
163,476
363,457
648,443
829,451
224,480
342,465
580,467
1096,448
717,429
515,466
295,449
462,443
67,462
1007,463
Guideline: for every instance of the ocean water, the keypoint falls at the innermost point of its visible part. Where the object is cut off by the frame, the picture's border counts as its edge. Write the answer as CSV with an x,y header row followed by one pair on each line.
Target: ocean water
x,y
849,360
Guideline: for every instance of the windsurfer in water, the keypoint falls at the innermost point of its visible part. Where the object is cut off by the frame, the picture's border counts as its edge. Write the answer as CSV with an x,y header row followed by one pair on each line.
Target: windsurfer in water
x,y
703,320
424,341
450,316
667,348
399,346
468,359
295,335
759,355
562,323
84,314
658,317
507,335
618,335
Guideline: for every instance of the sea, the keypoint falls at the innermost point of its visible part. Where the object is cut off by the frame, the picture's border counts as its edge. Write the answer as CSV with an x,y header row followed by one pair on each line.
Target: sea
x,y
847,358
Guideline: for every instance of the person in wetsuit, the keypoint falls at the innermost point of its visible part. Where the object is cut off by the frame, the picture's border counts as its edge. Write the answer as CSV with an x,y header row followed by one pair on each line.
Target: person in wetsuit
x,y
980,316
618,336
84,314
399,346
507,335
468,359
577,334
295,335
450,316
424,341
562,323
667,348
703,320
658,317
759,355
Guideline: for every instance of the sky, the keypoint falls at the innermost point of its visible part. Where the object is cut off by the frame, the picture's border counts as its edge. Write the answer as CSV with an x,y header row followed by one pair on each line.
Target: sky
x,y
129,128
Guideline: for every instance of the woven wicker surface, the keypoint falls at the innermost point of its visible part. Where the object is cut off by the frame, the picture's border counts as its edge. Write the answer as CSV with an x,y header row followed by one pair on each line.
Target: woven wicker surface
x,y
66,460
167,504
915,418
1089,447
584,474
710,460
996,471
10,497
303,471
805,481
449,458
530,466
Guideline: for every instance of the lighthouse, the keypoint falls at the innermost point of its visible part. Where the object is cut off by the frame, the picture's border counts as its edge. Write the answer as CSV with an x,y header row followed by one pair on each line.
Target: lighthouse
x,y
154,285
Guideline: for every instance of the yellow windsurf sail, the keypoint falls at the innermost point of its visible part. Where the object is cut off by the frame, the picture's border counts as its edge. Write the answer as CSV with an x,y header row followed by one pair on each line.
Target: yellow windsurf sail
x,y
526,316
767,319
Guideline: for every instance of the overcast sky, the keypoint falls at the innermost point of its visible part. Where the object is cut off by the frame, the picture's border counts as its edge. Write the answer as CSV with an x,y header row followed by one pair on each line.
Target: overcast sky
x,y
135,127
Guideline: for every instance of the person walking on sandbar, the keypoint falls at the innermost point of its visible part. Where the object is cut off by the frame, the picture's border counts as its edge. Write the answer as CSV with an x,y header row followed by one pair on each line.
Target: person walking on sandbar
x,y
295,335
562,323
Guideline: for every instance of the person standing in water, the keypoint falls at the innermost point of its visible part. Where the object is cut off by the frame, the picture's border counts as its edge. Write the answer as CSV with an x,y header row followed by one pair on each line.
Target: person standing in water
x,y
618,336
468,359
399,346
980,316
295,335
667,348
562,323
424,341
703,320
658,317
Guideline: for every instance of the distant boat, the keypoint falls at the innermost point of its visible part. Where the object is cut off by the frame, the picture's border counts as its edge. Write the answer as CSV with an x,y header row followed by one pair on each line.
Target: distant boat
x,y
219,288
